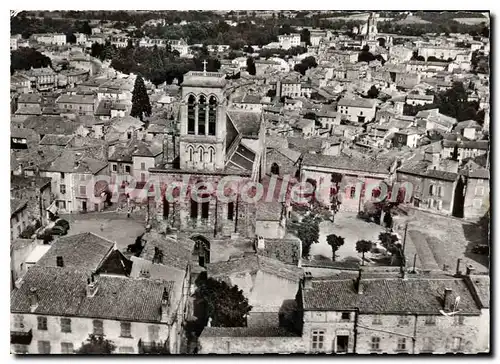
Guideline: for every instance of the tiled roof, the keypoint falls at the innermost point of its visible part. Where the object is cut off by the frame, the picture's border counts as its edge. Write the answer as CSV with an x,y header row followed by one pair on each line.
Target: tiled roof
x,y
18,182
176,253
246,122
481,285
71,161
54,139
482,173
29,98
84,252
47,124
348,163
62,292
252,264
116,263
286,250
75,99
357,102
16,205
413,295
466,144
269,211
246,332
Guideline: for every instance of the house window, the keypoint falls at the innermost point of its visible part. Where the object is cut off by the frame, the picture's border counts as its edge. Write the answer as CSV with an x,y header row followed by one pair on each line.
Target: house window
x,y
377,320
125,329
479,191
42,323
67,348
65,325
61,205
44,347
98,327
115,167
430,320
375,345
62,189
230,211
427,344
318,338
457,343
431,190
19,321
127,169
458,320
353,192
20,349
346,316
401,343
404,320
143,166
439,191
83,190
477,203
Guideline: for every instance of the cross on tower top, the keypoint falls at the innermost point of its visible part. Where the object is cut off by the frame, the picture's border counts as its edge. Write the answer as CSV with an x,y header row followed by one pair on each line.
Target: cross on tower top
x,y
204,66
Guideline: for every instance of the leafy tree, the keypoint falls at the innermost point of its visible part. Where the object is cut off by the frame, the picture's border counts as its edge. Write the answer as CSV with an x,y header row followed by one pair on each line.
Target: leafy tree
x,y
363,246
251,66
96,345
365,55
308,233
224,304
373,92
305,36
140,100
390,241
305,64
271,93
335,242
248,49
26,58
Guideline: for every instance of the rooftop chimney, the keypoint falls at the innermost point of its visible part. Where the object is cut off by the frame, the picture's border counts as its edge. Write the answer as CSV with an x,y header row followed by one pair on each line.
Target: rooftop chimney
x,y
59,261
91,286
261,243
470,270
33,299
165,300
458,272
357,283
307,280
448,299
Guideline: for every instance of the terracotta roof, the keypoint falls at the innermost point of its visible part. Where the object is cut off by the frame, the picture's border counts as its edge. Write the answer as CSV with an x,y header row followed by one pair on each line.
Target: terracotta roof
x,y
54,139
71,161
287,250
252,264
84,252
47,124
246,332
357,102
247,123
413,295
420,168
62,292
481,284
481,173
16,205
176,253
349,163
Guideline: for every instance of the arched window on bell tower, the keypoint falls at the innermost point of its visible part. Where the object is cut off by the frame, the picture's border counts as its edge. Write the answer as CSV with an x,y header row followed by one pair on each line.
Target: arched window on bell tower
x,y
211,154
191,114
201,152
212,115
202,115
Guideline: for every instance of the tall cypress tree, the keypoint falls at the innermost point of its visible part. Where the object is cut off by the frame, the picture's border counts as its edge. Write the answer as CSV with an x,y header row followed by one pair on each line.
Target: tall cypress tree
x,y
140,100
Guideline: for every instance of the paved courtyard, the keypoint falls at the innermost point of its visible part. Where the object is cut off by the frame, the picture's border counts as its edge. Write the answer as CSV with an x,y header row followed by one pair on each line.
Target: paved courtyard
x,y
352,229
110,225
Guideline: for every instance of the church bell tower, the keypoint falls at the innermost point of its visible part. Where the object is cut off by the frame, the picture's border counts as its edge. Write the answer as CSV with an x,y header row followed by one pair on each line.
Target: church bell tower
x,y
203,121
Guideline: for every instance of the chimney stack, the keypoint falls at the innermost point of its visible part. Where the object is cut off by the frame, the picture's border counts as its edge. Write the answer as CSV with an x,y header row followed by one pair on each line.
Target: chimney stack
x,y
33,299
357,284
59,261
458,272
261,244
448,299
470,270
307,280
164,305
91,286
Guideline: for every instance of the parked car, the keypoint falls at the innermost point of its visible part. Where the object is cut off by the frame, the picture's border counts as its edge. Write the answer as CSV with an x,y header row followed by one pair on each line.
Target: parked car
x,y
63,223
481,249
